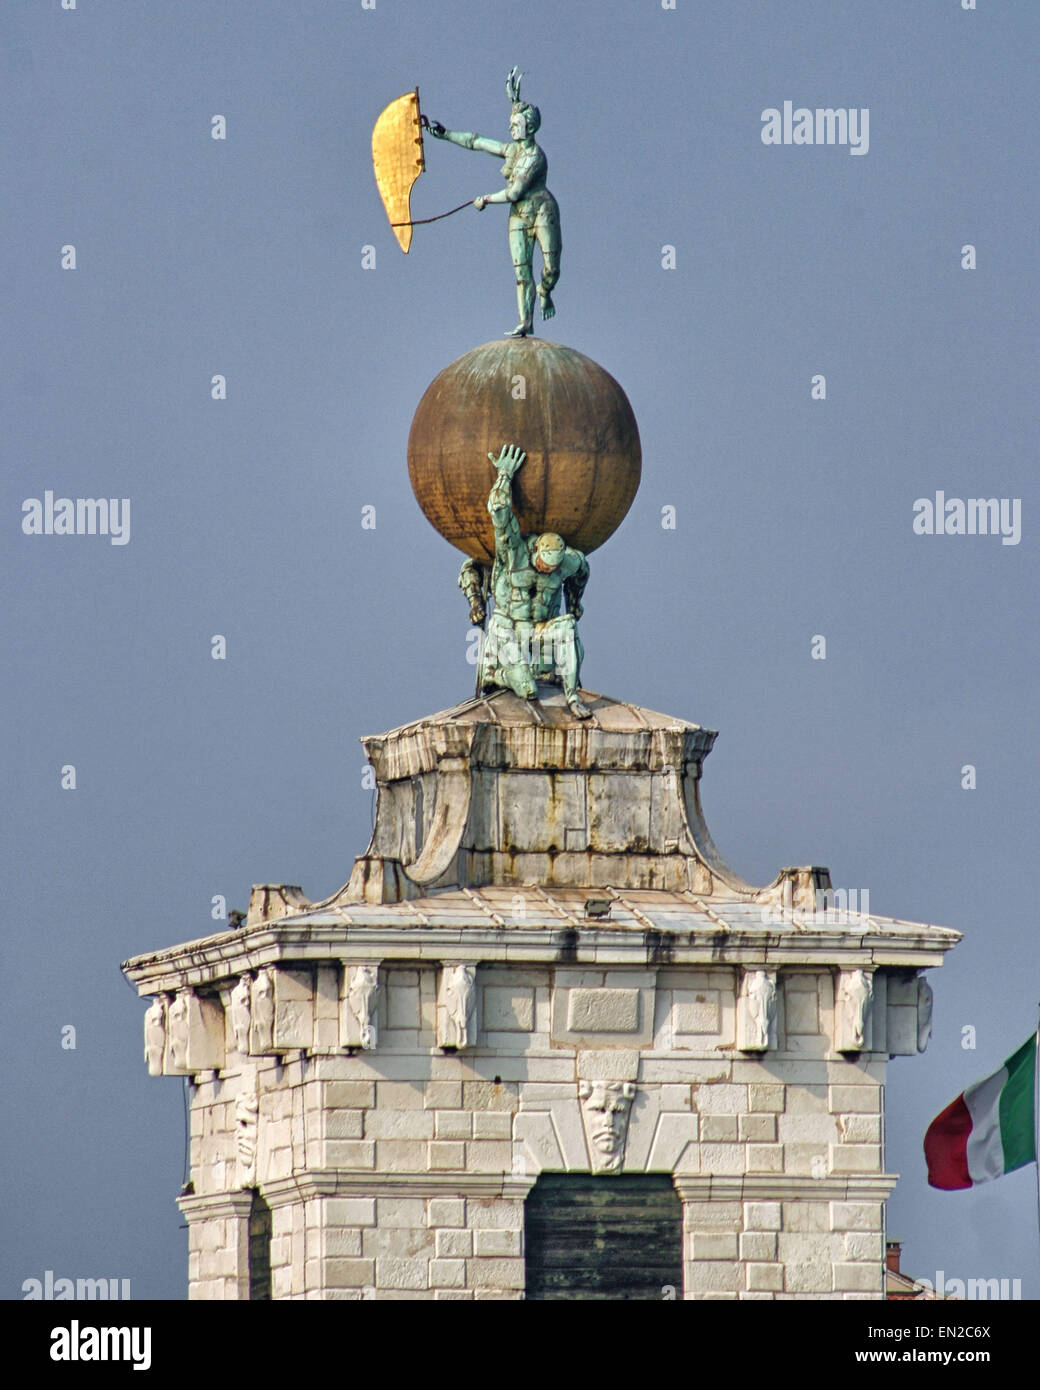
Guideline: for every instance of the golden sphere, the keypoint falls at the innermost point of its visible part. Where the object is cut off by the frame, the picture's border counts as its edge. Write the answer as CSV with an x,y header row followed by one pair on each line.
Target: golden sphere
x,y
571,418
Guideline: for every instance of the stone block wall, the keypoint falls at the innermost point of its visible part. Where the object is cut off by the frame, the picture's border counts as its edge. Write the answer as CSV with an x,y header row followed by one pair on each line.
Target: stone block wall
x,y
400,1171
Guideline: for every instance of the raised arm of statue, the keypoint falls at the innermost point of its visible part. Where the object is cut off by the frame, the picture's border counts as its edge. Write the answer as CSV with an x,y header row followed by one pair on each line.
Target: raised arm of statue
x,y
467,141
509,542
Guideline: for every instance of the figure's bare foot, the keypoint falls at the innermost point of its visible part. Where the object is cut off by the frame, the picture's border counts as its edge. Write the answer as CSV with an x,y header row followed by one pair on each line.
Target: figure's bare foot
x,y
578,708
548,307
520,682
520,331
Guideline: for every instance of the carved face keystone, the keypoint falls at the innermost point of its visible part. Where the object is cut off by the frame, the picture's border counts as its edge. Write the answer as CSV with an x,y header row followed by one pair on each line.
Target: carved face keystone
x,y
606,1105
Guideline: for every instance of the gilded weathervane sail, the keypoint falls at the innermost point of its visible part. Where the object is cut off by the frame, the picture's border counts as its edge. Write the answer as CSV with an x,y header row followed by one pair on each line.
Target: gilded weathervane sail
x,y
397,158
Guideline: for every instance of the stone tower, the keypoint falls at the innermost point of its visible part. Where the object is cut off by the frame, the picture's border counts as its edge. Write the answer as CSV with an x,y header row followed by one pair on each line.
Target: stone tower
x,y
544,1042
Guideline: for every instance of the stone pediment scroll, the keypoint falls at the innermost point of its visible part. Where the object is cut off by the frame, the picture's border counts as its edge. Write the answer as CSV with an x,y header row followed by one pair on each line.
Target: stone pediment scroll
x,y
450,813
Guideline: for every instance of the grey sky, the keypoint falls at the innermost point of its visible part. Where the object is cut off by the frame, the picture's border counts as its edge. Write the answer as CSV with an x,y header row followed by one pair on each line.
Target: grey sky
x,y
243,257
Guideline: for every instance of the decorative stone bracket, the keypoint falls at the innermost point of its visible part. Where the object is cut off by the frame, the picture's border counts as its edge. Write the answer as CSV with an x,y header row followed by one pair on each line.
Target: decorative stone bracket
x,y
456,1006
853,996
756,1011
183,1034
330,1008
359,1007
267,1012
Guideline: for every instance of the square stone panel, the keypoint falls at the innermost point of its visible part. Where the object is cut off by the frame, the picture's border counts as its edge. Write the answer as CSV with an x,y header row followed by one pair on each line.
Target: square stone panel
x,y
603,1010
402,1006
619,812
621,1016
696,1011
536,809
802,1012
508,1010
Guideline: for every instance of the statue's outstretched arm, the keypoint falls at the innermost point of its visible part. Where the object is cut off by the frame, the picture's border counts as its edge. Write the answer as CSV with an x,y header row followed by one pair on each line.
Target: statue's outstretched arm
x,y
467,141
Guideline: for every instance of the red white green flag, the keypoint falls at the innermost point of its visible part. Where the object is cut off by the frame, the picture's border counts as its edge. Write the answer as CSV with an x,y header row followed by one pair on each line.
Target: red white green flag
x,y
989,1130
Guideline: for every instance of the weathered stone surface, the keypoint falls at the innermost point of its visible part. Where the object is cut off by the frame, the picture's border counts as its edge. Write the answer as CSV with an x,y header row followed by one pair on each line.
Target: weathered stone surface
x,y
293,1009
602,1010
453,1124
616,1065
596,946
453,1244
765,1276
446,1211
762,1216
718,1129
757,1245
856,1216
508,1010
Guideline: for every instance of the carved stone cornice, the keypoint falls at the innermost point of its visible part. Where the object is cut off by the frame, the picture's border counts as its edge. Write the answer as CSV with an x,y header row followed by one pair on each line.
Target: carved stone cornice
x,y
780,1187
214,1205
681,934
331,1183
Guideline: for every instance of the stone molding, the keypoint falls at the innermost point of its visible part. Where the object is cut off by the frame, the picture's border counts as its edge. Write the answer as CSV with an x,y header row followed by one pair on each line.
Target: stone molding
x,y
218,959
780,1187
332,1183
216,1205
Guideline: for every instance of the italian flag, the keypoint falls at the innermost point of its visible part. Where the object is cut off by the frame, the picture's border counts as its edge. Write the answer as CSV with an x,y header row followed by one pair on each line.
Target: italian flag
x,y
990,1129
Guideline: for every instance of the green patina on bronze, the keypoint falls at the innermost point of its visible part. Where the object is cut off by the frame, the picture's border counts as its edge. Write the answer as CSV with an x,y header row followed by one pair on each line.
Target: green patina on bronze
x,y
525,575
527,639
534,216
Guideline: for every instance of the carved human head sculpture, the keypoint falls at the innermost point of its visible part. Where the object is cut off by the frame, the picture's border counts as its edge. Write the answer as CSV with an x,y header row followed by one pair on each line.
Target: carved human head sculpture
x,y
605,1107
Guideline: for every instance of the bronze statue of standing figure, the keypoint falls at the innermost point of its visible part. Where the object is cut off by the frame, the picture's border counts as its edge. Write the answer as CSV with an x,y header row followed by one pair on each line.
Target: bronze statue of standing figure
x,y
534,215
